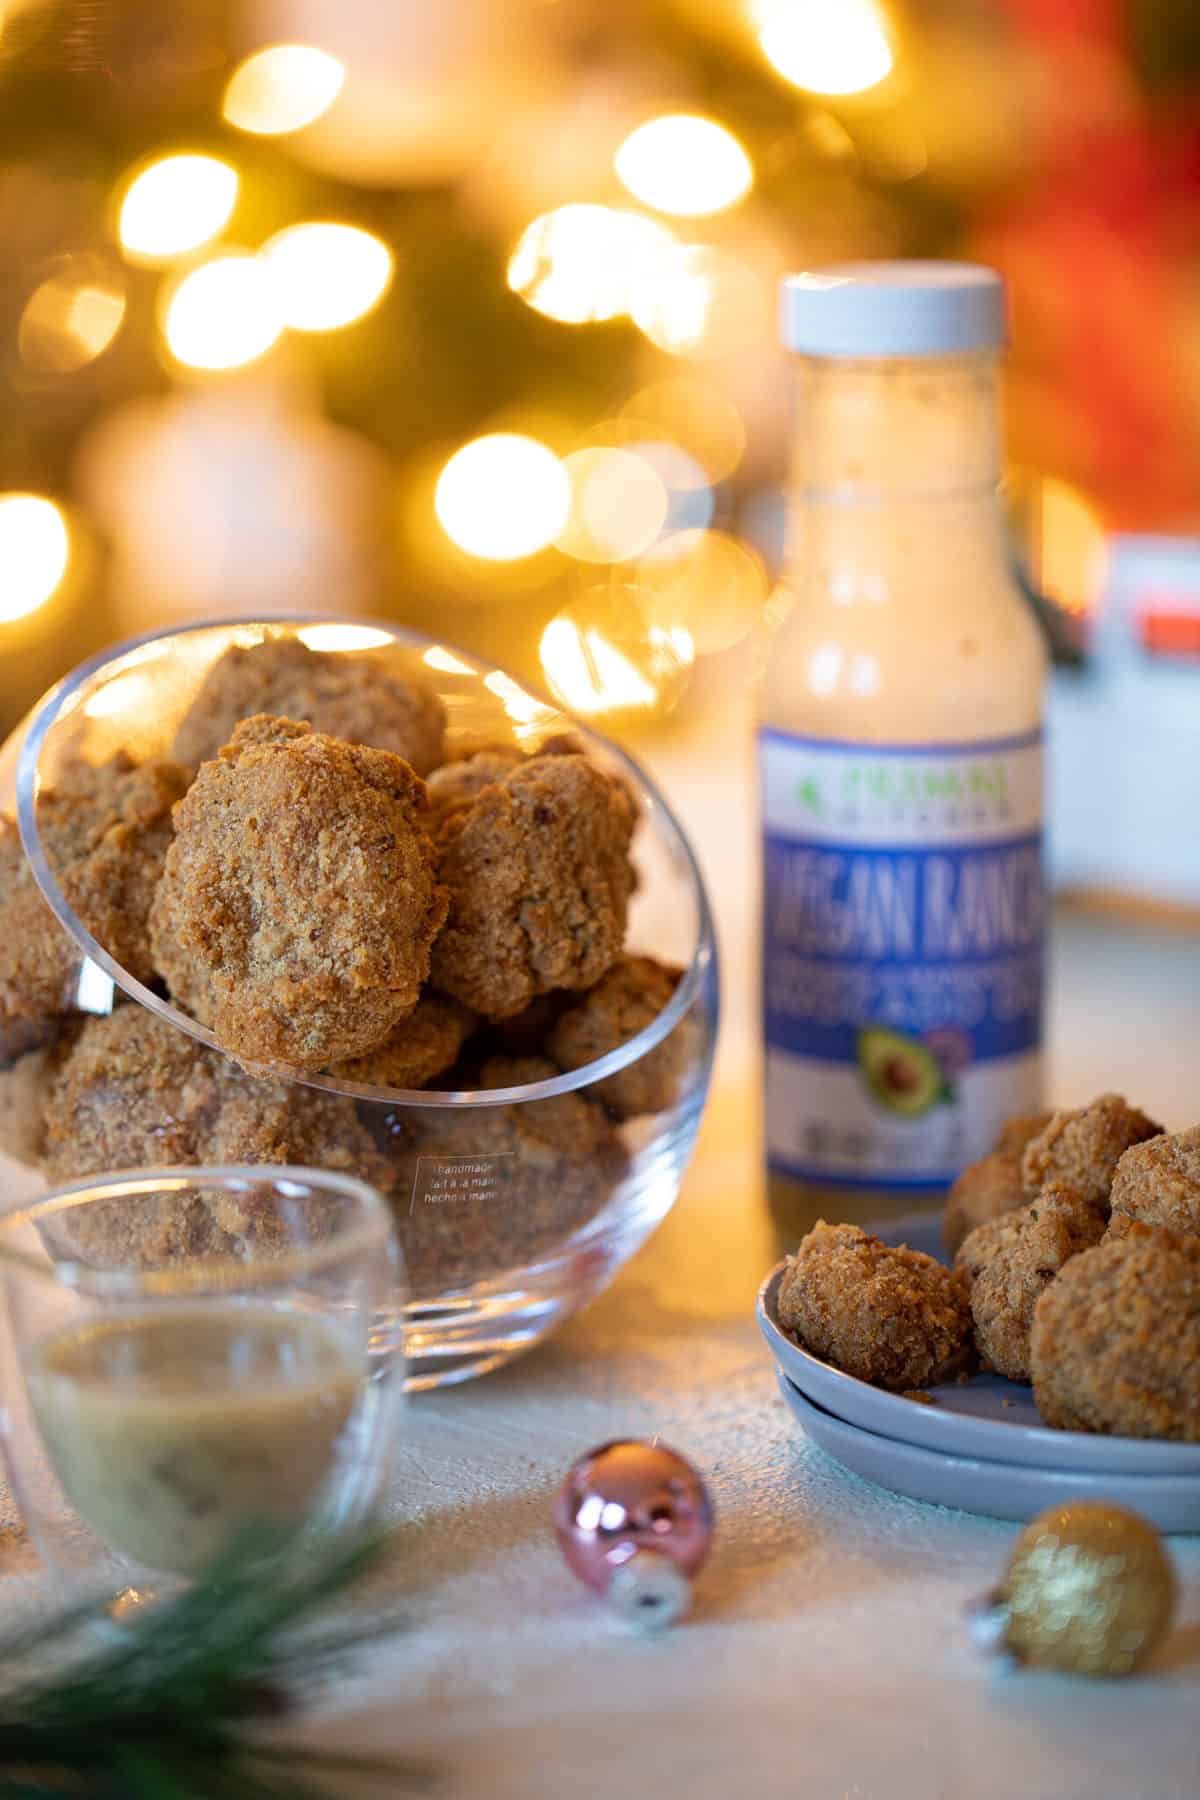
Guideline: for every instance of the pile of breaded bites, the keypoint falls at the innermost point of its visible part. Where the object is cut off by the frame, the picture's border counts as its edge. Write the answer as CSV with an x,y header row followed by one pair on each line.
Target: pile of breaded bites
x,y
1076,1246
315,876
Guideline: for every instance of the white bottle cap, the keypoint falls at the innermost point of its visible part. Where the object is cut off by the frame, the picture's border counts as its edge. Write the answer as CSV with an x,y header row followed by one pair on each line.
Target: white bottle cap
x,y
893,309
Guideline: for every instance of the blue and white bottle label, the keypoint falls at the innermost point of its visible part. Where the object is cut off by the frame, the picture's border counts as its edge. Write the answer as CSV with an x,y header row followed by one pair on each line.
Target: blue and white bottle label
x,y
903,932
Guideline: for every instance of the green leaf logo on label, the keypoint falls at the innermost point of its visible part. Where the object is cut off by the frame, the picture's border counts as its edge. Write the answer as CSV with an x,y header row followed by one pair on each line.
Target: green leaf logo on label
x,y
809,793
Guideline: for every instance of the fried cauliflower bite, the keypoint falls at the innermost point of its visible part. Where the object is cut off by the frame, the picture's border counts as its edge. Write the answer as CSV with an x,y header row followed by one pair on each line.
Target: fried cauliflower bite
x,y
38,961
894,1317
1083,1147
457,785
130,1091
1158,1182
992,1186
1116,1338
352,697
420,1047
526,1033
538,874
105,832
298,903
24,1084
1010,1263
624,1002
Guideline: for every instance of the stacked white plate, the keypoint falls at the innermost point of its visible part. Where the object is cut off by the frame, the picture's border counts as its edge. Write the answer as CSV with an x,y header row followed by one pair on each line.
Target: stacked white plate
x,y
980,1445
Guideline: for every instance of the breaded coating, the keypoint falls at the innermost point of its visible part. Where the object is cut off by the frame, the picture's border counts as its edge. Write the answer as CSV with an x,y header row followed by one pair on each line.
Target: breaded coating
x,y
561,743
420,1047
24,1085
298,903
105,832
539,879
894,1317
19,1036
457,785
1018,1131
352,697
991,1187
132,1091
526,1032
481,1191
1010,1263
107,845
1116,1338
622,1003
38,961
1083,1147
1158,1182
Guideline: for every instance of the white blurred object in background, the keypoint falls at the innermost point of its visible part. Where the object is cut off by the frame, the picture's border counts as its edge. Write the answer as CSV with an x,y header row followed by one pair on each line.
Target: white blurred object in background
x,y
1124,733
230,498
426,86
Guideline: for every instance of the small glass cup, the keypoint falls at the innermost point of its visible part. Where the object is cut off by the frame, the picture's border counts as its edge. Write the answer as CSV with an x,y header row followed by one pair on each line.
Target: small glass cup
x,y
192,1355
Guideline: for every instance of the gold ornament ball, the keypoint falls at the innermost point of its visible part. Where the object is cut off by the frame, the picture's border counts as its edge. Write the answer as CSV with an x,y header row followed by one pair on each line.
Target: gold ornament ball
x,y
1089,1588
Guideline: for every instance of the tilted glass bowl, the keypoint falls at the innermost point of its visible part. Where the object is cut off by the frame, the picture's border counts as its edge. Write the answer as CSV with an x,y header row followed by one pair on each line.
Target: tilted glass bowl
x,y
514,1206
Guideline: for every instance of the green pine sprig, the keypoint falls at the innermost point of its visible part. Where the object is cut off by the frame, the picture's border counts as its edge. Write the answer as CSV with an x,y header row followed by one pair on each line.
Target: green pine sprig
x,y
167,1707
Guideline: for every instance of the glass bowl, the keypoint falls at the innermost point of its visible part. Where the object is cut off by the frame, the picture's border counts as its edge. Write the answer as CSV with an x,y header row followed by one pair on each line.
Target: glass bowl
x,y
161,1401
514,1204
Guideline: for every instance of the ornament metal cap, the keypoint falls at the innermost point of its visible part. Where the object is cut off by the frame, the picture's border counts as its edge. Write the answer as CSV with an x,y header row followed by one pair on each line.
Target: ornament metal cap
x,y
649,1591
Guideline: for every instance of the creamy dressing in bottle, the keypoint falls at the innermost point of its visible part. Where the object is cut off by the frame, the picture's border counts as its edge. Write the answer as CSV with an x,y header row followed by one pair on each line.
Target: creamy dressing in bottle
x,y
900,757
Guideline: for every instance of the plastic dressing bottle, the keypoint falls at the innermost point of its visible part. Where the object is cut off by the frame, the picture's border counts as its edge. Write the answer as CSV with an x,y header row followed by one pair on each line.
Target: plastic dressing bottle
x,y
900,756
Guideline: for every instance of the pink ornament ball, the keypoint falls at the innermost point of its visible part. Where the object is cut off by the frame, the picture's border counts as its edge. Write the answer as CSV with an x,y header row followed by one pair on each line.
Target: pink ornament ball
x,y
626,1499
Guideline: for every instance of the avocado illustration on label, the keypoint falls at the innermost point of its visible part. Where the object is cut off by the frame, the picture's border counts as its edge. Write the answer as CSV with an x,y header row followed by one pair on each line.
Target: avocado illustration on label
x,y
902,1073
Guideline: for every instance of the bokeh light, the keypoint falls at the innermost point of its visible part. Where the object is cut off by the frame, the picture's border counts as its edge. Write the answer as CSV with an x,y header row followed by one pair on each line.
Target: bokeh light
x,y
684,164
619,504
222,315
503,496
228,495
176,205
603,654
71,318
708,582
522,707
438,657
697,301
827,46
680,472
696,417
282,88
338,638
1070,546
581,263
34,550
126,696
688,490
326,275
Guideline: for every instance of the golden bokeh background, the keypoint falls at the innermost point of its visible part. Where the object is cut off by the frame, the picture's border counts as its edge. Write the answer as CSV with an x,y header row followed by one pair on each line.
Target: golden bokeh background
x,y
465,316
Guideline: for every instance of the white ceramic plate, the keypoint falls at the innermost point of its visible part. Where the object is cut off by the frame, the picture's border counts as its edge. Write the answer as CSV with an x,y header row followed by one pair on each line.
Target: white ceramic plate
x,y
986,1417
1000,1490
